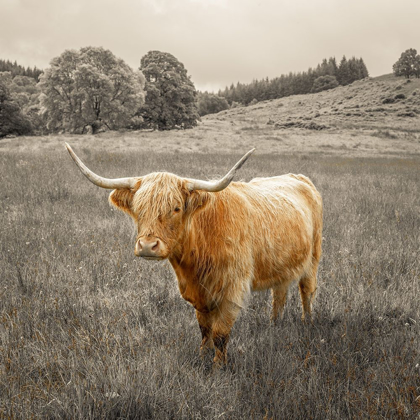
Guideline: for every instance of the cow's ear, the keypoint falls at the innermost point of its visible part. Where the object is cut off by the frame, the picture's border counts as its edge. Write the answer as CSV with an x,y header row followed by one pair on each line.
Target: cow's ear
x,y
196,201
123,200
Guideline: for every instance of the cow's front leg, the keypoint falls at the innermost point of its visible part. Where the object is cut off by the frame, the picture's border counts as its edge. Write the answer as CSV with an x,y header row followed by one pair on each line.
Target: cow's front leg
x,y
224,318
205,323
220,344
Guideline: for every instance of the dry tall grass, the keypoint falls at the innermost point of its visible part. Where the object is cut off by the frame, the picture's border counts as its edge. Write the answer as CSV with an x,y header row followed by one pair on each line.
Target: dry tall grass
x,y
88,331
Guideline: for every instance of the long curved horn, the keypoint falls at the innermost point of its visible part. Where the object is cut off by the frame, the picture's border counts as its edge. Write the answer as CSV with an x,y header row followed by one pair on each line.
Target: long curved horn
x,y
214,186
111,184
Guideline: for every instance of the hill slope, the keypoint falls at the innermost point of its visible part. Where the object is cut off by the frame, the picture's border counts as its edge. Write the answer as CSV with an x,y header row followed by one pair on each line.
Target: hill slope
x,y
371,117
356,116
384,102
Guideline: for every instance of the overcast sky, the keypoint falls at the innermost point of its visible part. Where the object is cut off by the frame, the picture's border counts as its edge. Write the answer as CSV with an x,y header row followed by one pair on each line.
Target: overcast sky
x,y
218,41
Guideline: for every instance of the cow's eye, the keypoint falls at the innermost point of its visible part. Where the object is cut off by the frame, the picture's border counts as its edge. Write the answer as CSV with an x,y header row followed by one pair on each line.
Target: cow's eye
x,y
177,210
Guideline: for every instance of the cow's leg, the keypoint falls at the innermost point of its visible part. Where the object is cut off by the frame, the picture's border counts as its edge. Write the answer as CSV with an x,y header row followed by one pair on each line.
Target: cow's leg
x,y
307,288
205,323
224,318
279,294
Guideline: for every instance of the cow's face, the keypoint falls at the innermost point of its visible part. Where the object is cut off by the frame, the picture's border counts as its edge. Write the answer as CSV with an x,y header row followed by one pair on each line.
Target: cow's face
x,y
160,205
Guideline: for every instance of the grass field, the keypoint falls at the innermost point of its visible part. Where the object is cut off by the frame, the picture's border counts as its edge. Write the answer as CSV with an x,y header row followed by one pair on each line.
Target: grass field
x,y
89,331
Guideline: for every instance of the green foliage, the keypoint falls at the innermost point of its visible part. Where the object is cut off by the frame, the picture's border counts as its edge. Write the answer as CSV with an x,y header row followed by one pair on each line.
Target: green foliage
x,y
171,95
327,68
416,66
408,64
209,103
12,121
25,92
343,74
136,123
324,83
351,70
90,87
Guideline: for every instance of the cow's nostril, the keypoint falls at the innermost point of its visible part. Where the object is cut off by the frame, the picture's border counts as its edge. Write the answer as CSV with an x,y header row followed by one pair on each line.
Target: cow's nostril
x,y
148,248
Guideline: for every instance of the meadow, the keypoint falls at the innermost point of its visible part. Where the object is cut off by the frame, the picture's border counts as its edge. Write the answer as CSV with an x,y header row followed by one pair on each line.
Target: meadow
x,y
89,331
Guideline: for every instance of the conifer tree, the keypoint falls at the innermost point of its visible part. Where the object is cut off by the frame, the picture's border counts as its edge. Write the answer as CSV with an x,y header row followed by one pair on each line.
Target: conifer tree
x,y
343,73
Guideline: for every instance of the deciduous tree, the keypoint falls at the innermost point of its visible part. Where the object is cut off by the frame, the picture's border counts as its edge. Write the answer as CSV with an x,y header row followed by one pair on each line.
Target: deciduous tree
x,y
416,66
209,103
405,66
324,83
12,121
171,95
90,87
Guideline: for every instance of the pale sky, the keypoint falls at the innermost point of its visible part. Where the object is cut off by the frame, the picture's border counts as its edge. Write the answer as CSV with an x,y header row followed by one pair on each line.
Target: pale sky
x,y
219,41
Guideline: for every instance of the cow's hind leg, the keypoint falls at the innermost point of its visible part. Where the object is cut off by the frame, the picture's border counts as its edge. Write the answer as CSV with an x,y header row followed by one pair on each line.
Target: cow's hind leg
x,y
307,288
279,294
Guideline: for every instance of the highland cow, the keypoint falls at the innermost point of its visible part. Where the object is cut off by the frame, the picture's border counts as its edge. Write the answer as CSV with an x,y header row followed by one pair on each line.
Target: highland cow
x,y
224,239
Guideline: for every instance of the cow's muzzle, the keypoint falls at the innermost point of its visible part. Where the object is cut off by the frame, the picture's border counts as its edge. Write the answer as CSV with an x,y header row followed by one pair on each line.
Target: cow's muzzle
x,y
150,248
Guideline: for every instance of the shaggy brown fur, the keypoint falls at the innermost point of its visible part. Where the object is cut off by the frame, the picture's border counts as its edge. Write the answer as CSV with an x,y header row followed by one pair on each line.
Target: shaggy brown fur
x,y
250,236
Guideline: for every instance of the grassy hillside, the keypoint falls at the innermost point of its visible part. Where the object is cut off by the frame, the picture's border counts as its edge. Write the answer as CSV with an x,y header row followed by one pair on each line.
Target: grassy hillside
x,y
386,102
370,116
356,121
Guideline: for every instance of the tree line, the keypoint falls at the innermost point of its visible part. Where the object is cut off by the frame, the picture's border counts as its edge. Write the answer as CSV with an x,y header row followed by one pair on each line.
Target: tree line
x,y
326,75
90,90
16,70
